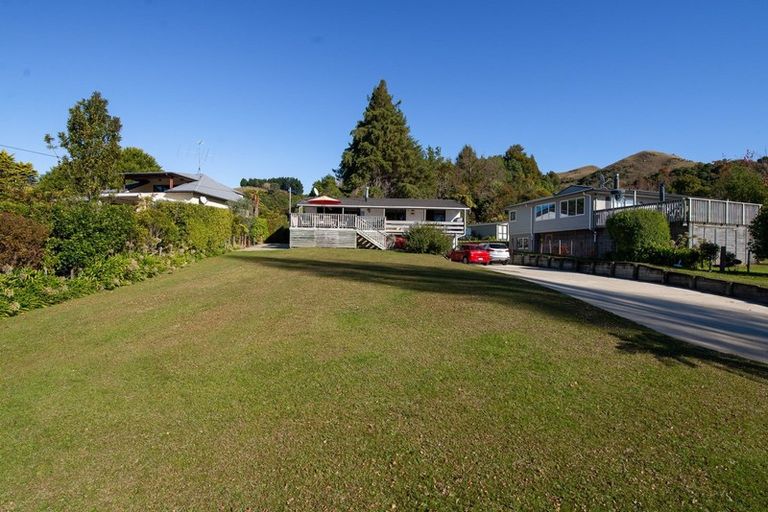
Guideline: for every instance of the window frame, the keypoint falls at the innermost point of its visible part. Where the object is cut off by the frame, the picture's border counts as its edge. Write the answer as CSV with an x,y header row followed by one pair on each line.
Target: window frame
x,y
432,211
522,246
550,207
567,204
512,215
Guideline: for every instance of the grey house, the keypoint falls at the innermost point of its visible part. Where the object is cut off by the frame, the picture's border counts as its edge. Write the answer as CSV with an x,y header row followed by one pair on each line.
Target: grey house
x,y
572,222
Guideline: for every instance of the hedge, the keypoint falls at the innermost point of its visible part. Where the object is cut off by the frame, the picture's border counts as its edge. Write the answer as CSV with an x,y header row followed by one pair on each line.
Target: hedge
x,y
200,228
427,239
22,242
633,231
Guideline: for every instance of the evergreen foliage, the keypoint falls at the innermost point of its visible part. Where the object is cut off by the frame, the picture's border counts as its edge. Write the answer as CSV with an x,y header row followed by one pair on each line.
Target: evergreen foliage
x,y
758,232
283,183
383,155
427,240
92,141
327,186
137,160
16,178
635,231
22,242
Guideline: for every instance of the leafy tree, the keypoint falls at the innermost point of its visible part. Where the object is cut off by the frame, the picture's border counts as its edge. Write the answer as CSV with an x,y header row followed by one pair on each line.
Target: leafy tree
x,y
137,160
758,231
15,177
327,186
283,183
382,154
740,183
92,141
709,252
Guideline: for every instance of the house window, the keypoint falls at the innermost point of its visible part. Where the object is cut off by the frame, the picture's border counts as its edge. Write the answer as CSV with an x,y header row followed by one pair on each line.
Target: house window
x,y
572,207
436,215
394,214
502,232
521,244
545,211
513,216
160,188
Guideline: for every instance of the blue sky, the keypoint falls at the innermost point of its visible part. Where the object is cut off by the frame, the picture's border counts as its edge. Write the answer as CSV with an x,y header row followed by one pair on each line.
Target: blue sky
x,y
274,88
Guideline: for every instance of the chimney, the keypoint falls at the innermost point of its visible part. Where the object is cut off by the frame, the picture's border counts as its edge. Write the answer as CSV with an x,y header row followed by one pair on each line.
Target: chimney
x,y
616,181
366,193
662,192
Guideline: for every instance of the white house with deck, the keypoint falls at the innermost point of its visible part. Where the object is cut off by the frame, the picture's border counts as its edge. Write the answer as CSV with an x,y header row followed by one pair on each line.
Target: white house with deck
x,y
371,222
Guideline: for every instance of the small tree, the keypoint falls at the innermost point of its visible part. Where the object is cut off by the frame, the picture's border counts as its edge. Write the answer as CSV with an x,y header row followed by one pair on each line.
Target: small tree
x,y
92,141
634,230
137,160
758,231
709,252
15,177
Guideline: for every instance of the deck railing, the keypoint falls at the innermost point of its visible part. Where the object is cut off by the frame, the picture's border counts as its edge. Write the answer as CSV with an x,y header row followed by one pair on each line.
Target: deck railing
x,y
714,211
401,226
323,220
703,211
674,211
367,223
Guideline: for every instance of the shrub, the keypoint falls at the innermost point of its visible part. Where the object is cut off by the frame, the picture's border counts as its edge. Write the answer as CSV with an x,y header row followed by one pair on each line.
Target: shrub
x,y
86,231
634,230
427,239
669,256
758,231
201,228
22,242
709,252
259,230
156,230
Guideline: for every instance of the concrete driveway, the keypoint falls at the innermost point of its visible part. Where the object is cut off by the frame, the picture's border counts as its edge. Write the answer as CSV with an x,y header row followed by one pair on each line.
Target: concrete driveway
x,y
715,322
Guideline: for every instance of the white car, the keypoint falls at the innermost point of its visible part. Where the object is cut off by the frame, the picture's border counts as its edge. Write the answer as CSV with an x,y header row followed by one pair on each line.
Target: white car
x,y
499,252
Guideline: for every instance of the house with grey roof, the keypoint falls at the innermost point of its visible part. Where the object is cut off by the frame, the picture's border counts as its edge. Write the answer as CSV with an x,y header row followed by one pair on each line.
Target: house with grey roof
x,y
573,221
371,222
173,186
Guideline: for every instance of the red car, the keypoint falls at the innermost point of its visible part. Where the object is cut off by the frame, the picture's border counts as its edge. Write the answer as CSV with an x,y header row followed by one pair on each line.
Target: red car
x,y
470,253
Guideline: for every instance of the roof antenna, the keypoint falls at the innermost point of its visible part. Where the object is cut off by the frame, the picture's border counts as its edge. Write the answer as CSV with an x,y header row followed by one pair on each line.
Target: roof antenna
x,y
199,154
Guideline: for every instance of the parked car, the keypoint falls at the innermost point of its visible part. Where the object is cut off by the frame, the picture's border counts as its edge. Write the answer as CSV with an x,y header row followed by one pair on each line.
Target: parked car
x,y
470,253
499,252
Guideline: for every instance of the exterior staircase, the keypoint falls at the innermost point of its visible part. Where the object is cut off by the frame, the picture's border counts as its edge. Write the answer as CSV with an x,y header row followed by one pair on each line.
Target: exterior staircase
x,y
370,235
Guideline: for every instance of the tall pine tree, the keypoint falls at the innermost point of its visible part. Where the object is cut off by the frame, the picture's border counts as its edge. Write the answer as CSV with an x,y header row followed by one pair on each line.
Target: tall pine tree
x,y
383,155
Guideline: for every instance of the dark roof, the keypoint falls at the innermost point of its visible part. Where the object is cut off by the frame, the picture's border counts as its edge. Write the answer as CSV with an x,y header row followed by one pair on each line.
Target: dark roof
x,y
188,182
572,189
393,202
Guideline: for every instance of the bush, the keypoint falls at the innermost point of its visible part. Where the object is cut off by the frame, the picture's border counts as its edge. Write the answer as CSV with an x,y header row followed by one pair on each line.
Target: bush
x,y
201,228
22,242
758,231
427,239
636,230
156,231
668,256
709,252
259,230
84,232
25,289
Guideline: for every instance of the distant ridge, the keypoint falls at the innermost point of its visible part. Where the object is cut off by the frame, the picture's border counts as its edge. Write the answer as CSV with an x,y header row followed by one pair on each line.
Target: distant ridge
x,y
641,170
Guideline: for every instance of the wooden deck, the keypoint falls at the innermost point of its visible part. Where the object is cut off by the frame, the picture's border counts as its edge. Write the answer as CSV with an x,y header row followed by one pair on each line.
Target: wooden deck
x,y
692,210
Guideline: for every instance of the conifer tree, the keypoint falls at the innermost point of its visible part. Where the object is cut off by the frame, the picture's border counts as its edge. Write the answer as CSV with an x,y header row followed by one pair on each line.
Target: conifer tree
x,y
383,155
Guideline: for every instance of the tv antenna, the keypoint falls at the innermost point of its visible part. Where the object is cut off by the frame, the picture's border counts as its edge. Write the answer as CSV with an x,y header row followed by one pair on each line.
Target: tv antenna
x,y
199,154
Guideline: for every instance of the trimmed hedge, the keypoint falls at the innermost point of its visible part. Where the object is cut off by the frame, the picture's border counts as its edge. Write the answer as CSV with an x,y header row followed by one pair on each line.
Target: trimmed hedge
x,y
83,232
634,231
200,228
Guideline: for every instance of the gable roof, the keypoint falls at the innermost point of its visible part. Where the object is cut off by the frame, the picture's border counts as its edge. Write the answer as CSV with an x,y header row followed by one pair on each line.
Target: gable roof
x,y
207,186
394,202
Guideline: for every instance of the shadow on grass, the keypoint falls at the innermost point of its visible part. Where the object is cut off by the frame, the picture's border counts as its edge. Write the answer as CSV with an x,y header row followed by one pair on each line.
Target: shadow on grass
x,y
672,351
469,283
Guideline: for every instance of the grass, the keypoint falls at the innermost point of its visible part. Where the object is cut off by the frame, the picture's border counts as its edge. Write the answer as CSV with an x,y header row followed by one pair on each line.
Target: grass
x,y
356,380
758,274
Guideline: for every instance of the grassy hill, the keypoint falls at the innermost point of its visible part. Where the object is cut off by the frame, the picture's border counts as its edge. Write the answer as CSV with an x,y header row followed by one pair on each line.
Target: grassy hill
x,y
640,170
361,380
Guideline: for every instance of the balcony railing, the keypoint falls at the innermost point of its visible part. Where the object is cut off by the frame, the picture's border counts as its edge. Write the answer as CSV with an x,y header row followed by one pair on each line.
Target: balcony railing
x,y
713,211
674,211
367,223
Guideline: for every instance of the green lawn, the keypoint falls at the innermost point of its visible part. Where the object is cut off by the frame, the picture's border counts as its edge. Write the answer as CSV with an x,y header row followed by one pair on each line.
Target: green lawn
x,y
758,274
362,380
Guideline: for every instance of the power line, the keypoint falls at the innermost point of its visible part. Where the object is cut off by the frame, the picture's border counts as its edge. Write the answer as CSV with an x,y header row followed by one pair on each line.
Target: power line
x,y
27,150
